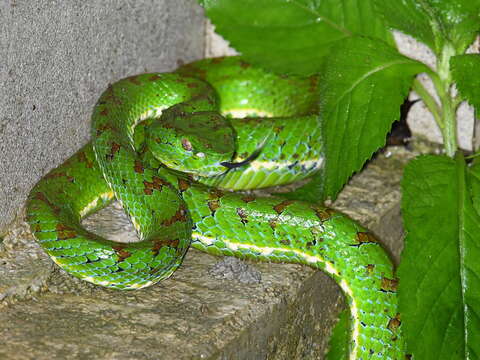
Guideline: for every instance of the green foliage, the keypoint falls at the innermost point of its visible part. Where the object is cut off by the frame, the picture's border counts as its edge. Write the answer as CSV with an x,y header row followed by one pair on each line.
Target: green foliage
x,y
466,74
440,272
474,185
456,21
409,17
355,112
434,22
292,36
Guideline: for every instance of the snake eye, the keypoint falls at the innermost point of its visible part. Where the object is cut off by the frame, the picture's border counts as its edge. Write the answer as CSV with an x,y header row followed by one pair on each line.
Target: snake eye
x,y
201,155
187,145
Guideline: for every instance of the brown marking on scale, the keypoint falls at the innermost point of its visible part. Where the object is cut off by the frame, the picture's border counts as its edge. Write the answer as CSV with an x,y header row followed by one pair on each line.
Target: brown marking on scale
x,y
370,268
154,77
180,215
82,157
104,112
193,71
192,85
218,60
363,237
278,129
187,145
138,167
121,252
394,323
55,175
295,156
272,224
215,194
248,198
134,80
323,214
159,244
279,208
389,285
313,83
102,128
37,228
156,184
243,215
42,197
213,205
285,242
283,156
113,150
109,95
244,64
183,184
65,232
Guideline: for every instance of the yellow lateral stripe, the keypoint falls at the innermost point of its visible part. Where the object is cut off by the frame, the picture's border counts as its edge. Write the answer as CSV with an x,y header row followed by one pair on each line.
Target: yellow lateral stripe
x,y
93,204
241,113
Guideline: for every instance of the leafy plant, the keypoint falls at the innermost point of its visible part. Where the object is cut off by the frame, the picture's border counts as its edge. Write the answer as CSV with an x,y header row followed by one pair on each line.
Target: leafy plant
x,y
364,80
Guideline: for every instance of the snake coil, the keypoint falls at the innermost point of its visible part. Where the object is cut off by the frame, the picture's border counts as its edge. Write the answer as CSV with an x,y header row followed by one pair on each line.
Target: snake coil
x,y
199,121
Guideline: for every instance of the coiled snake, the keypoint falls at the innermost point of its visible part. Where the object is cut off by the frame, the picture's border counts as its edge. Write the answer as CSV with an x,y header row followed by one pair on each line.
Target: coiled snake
x,y
268,134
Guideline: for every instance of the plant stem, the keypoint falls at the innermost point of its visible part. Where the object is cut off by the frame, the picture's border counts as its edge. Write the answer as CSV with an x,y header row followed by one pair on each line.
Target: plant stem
x,y
450,130
443,84
429,101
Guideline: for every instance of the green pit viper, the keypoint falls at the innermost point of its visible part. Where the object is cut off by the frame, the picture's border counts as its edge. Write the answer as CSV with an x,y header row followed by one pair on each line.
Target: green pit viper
x,y
214,125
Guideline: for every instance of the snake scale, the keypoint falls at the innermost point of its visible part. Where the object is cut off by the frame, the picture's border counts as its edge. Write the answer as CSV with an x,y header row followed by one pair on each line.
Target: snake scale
x,y
169,147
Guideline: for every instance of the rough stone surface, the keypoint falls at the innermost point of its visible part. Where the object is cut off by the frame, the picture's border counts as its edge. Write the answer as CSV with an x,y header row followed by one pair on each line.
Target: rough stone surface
x,y
287,313
56,59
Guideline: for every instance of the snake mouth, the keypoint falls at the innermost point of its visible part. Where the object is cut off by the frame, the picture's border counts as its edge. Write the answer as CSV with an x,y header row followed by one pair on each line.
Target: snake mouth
x,y
232,165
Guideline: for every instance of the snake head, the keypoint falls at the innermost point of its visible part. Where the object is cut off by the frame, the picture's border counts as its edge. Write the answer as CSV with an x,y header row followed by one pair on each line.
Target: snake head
x,y
195,143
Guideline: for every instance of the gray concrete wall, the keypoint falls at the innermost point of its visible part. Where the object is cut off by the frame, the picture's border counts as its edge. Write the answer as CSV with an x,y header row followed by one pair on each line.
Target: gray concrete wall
x,y
56,57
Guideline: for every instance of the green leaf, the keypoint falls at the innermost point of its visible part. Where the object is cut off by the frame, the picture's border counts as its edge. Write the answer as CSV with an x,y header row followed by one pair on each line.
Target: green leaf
x,y
466,74
408,17
292,36
339,341
439,293
457,20
363,84
434,22
474,185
